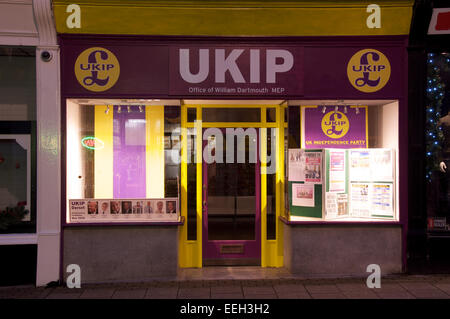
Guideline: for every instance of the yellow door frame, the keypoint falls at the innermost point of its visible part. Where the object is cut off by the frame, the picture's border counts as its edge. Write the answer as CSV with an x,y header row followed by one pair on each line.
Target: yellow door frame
x,y
190,251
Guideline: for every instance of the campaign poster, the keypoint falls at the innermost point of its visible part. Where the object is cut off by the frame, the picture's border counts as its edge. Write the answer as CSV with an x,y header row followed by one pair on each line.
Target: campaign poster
x,y
334,126
313,167
78,210
124,210
382,199
359,198
337,179
360,165
382,164
303,195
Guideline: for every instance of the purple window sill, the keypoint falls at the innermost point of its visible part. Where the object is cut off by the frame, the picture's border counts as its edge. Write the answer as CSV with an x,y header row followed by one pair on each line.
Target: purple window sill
x,y
150,223
345,223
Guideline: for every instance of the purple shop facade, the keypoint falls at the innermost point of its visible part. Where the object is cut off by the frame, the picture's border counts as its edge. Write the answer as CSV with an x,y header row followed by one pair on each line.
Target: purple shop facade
x,y
216,68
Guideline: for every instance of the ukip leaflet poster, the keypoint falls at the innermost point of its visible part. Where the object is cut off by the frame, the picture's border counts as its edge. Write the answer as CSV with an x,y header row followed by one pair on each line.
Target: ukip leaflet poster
x,y
334,126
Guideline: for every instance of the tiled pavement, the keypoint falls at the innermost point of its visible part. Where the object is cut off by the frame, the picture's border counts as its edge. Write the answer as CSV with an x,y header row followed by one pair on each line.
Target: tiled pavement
x,y
261,285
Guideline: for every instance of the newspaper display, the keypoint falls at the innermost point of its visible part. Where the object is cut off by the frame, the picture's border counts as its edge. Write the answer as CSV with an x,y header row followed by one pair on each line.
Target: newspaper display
x,y
337,178
123,210
331,208
336,205
296,165
303,195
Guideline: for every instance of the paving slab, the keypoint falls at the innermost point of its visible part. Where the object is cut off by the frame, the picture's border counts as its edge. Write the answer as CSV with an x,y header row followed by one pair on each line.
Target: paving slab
x,y
289,288
258,290
226,289
361,295
194,293
161,293
350,287
294,295
328,296
137,293
429,294
395,294
260,296
229,296
417,285
445,287
322,289
98,293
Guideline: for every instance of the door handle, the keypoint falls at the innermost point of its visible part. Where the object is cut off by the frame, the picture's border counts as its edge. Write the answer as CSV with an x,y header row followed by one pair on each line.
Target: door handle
x,y
204,203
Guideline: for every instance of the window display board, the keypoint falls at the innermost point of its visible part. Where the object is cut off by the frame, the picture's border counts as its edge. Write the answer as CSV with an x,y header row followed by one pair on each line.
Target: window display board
x,y
360,183
305,182
339,184
123,210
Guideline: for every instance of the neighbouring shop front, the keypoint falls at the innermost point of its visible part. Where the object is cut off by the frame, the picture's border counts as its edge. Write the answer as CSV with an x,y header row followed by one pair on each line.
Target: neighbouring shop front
x,y
429,223
29,144
191,151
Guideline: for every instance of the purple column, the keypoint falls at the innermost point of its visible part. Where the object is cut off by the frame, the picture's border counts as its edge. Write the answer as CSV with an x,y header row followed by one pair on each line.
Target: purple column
x,y
129,152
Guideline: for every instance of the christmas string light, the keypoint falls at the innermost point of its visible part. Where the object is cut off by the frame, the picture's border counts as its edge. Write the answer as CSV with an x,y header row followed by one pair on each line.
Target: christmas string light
x,y
435,93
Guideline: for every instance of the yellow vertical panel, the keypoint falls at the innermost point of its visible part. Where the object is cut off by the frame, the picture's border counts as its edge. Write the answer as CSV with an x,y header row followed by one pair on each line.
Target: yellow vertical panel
x,y
281,188
199,160
263,152
103,157
154,118
190,251
183,252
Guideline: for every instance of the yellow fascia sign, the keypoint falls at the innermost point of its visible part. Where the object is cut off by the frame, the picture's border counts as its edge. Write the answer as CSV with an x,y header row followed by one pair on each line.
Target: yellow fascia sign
x,y
234,18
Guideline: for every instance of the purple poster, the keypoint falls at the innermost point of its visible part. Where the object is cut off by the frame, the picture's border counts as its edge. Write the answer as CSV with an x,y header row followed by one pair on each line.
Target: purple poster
x,y
334,127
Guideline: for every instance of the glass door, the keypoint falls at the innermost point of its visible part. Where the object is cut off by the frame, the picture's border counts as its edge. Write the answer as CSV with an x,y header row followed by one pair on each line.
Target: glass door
x,y
231,197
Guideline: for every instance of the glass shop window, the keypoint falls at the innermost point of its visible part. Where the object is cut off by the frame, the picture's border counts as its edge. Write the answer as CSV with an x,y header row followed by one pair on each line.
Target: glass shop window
x,y
123,162
437,143
342,161
17,139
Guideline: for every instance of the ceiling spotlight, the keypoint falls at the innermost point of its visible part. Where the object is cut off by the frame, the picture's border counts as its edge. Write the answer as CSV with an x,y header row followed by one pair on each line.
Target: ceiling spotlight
x,y
129,108
119,109
357,110
336,109
345,109
140,109
324,109
107,109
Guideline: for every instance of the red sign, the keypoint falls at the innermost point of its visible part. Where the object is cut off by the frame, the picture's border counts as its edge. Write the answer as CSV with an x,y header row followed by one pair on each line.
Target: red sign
x,y
440,21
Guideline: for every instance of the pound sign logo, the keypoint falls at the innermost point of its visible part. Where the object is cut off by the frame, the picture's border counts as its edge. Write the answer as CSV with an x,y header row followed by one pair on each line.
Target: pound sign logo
x,y
368,70
97,69
335,124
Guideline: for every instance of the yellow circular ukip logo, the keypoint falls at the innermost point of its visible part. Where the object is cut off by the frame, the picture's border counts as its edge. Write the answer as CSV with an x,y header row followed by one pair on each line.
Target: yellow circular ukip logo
x,y
97,69
335,124
368,70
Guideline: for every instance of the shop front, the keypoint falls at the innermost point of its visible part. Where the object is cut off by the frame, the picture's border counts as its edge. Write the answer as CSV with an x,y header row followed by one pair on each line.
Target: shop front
x,y
193,151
